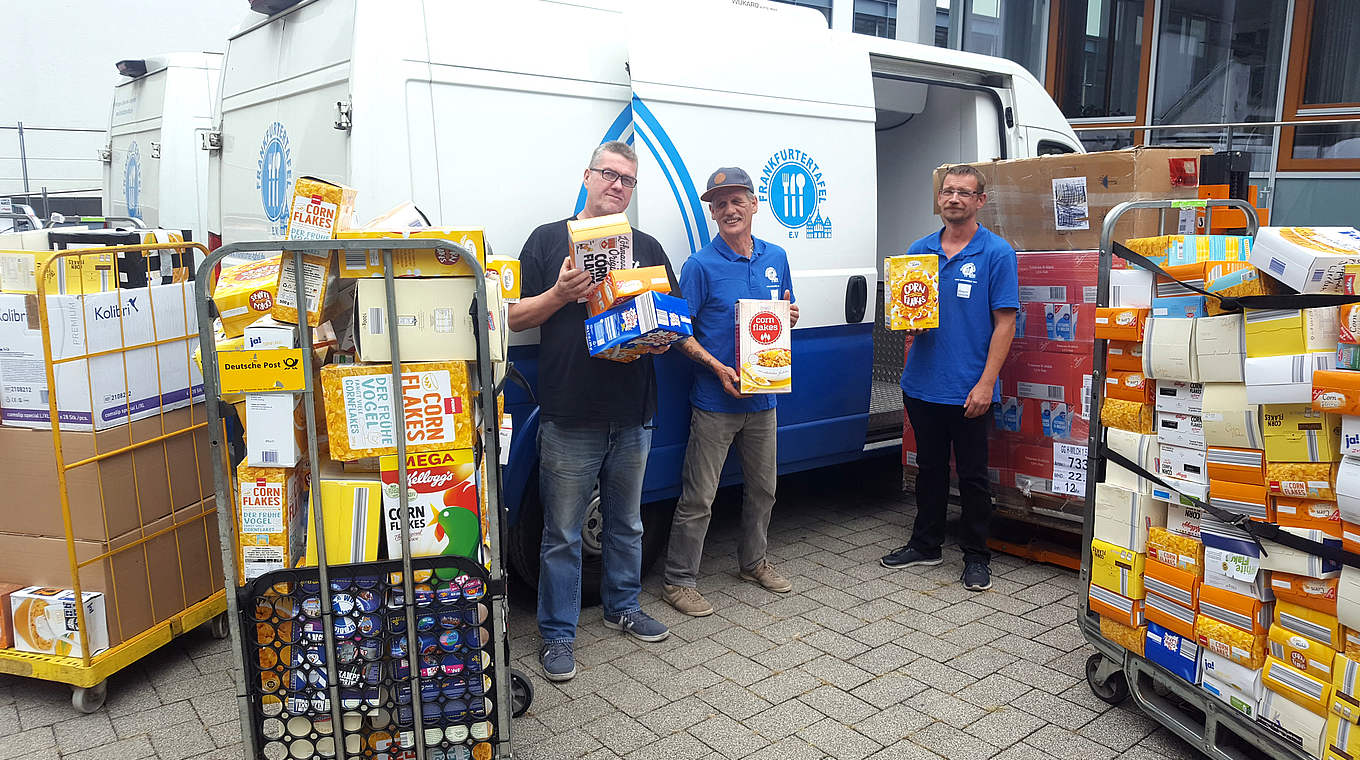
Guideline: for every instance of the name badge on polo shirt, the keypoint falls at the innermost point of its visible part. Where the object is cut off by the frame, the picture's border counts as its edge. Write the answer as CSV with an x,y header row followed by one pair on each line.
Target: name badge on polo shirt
x,y
965,290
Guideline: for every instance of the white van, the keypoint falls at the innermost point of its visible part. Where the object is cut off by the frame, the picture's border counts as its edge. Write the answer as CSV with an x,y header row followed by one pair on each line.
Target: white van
x,y
154,168
484,113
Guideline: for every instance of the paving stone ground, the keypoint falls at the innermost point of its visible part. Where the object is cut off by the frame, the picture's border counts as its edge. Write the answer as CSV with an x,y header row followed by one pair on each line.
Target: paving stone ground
x,y
857,662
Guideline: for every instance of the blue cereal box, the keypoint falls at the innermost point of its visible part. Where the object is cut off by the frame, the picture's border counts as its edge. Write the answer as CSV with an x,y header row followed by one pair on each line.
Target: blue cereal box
x,y
1173,652
624,333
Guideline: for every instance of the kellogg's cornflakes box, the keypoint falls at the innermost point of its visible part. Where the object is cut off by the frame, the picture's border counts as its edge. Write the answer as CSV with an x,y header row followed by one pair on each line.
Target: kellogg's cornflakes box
x,y
443,510
912,298
601,244
764,353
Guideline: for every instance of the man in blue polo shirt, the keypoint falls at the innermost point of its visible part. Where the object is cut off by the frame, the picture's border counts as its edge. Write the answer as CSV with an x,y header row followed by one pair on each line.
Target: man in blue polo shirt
x,y
735,265
950,381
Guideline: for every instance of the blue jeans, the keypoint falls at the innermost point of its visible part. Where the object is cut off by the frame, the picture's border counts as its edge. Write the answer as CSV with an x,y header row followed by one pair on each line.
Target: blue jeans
x,y
571,459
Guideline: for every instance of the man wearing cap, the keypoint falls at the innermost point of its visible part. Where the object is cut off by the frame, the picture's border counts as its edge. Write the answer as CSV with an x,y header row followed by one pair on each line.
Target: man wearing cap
x,y
735,265
950,380
595,424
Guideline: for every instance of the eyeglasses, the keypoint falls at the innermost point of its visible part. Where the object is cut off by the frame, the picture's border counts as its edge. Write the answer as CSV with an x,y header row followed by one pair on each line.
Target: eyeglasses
x,y
610,176
962,194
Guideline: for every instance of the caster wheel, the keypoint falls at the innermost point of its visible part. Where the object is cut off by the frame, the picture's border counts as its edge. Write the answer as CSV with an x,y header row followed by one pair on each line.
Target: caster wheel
x,y
218,626
521,693
91,699
1114,689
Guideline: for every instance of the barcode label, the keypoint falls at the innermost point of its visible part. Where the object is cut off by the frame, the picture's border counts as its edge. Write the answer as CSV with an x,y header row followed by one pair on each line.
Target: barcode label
x,y
1090,293
375,321
1276,266
355,259
269,456
1319,274
1041,391
1043,293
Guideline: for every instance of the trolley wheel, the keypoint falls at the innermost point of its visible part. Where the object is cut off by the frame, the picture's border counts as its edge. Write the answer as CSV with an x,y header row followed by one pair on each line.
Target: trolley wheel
x,y
1114,689
220,626
521,692
91,699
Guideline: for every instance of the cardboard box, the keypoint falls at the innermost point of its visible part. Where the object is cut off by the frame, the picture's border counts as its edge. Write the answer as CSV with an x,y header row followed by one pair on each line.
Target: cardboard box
x,y
1174,297
1226,570
316,288
1115,606
1299,687
1223,669
319,209
1179,396
1131,386
1177,653
1221,347
1183,464
651,320
444,514
1337,392
1117,569
1314,593
140,342
112,496
1307,259
359,403
764,341
1316,625
1177,551
1174,584
1184,430
1123,518
1169,350
1238,610
1303,480
912,296
1284,379
1054,377
1184,520
1341,740
601,244
1234,698
1231,465
1124,355
507,276
352,513
1180,490
1131,288
1298,433
1298,725
434,320
1252,500
271,519
414,262
1312,515
1348,323
1142,449
1120,323
1128,415
1228,537
46,622
619,285
246,292
1228,419
1060,202
1301,653
1280,558
1284,332
1178,250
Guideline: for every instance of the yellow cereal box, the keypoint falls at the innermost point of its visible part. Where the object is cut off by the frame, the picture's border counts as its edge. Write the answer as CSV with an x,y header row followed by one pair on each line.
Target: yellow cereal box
x,y
316,276
359,401
319,209
507,274
246,292
764,353
912,298
413,262
270,523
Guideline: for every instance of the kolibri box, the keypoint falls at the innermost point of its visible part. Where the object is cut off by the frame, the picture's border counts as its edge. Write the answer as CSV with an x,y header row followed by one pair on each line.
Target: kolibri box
x,y
271,519
764,346
46,622
152,352
444,514
912,297
651,320
359,401
601,244
619,285
414,262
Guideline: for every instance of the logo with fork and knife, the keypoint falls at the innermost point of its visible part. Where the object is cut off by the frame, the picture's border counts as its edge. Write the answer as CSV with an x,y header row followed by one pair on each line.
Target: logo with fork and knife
x,y
793,187
274,177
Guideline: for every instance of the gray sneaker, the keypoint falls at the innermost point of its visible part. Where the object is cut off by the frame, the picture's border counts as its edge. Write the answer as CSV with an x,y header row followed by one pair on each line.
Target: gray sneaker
x,y
765,575
559,664
639,625
686,599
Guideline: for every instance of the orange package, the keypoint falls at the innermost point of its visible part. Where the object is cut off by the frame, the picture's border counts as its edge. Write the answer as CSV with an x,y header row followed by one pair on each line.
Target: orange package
x,y
1313,593
1124,356
1237,610
1242,499
1236,465
1174,617
1130,386
1348,322
619,285
1119,323
1111,604
1336,391
1308,514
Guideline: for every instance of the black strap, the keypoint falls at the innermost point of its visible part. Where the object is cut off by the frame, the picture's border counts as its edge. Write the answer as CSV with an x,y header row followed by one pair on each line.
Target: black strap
x,y
1258,530
1238,303
513,375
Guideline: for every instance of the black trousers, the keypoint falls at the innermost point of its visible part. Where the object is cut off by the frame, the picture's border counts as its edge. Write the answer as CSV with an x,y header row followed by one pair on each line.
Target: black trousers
x,y
938,427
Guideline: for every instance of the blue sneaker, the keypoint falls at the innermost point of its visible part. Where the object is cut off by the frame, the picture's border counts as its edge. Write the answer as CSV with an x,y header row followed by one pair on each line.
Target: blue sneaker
x,y
639,625
559,664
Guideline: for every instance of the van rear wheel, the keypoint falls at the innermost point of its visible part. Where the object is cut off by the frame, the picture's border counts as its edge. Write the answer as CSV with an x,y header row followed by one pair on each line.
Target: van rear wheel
x,y
526,536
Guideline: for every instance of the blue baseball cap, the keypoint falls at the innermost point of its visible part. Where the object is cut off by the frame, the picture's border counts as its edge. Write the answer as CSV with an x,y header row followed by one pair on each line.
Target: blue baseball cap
x,y
727,176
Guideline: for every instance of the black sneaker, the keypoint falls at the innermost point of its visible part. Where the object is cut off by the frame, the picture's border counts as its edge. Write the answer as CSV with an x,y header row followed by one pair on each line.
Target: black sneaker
x,y
977,576
905,556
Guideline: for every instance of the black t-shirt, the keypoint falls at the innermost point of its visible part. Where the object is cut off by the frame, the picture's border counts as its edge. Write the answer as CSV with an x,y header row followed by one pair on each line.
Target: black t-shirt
x,y
573,387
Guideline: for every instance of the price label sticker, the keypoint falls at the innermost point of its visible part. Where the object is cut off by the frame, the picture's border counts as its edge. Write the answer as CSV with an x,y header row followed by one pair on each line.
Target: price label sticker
x,y
1069,456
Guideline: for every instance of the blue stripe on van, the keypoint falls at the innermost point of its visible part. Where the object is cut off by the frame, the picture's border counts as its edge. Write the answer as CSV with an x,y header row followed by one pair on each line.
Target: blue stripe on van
x,y
689,228
640,110
621,123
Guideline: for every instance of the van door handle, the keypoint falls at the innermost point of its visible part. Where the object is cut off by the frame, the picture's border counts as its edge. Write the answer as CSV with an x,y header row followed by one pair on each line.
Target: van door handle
x,y
856,299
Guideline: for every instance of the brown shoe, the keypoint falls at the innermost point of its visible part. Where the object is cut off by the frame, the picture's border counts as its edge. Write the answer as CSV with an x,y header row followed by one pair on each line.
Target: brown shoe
x,y
686,599
768,578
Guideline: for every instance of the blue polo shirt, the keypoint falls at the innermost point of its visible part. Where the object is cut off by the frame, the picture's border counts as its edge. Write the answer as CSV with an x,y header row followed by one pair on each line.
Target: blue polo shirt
x,y
946,362
713,280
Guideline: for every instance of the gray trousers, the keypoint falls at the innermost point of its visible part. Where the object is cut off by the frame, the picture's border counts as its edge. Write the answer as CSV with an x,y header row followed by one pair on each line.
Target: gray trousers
x,y
711,434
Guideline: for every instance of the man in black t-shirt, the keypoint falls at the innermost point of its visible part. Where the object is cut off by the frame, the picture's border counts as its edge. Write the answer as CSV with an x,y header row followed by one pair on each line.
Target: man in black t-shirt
x,y
594,422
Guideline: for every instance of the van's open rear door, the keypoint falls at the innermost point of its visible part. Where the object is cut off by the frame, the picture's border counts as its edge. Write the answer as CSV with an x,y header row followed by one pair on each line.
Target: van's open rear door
x,y
766,87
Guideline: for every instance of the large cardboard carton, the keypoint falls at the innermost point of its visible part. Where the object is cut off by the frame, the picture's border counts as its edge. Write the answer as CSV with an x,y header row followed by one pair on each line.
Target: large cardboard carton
x,y
48,621
1307,259
112,496
434,320
1055,203
359,401
139,343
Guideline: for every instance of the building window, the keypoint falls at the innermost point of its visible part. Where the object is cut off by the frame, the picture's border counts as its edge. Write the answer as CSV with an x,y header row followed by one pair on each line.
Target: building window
x,y
822,5
1014,29
1323,83
876,17
1100,58
1333,73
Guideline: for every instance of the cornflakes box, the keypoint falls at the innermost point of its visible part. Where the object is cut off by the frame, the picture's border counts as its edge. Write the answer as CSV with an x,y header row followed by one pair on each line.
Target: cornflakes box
x,y
359,402
507,271
443,510
270,515
246,292
316,276
319,209
622,284
912,298
601,244
414,262
764,346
